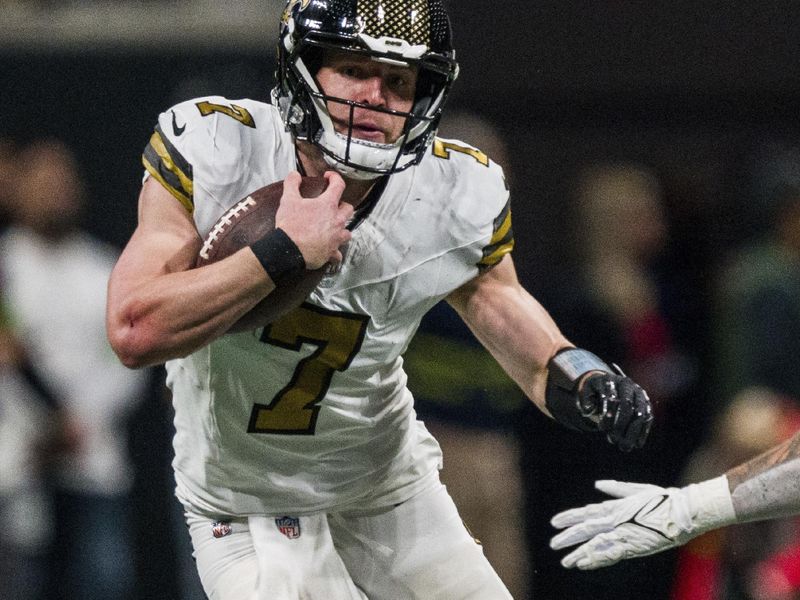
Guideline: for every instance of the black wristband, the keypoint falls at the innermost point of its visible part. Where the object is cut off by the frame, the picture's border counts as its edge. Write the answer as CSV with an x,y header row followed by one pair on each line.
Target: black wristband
x,y
564,372
279,255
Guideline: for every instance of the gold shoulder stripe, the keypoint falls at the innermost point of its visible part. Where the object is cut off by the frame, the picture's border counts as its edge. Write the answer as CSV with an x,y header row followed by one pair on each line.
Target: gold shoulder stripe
x,y
496,243
181,163
163,161
502,230
503,214
494,258
502,240
155,173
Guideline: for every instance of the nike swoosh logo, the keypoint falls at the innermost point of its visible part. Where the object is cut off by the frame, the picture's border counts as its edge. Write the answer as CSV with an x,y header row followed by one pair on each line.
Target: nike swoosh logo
x,y
644,512
175,129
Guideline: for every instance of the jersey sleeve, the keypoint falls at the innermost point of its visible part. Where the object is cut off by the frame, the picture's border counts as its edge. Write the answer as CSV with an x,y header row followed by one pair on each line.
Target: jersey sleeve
x,y
199,147
478,187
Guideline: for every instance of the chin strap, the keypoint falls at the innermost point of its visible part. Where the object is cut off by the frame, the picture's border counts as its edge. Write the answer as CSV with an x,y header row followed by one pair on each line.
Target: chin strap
x,y
348,171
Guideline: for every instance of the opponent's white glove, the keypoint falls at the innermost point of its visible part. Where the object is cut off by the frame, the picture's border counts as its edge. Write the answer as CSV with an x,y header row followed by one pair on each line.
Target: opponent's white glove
x,y
644,520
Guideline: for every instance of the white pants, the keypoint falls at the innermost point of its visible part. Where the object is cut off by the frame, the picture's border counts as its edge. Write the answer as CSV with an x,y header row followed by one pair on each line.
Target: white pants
x,y
419,549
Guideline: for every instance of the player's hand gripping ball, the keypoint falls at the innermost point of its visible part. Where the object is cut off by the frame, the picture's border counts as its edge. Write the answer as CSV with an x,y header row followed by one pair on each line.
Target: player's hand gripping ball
x,y
247,221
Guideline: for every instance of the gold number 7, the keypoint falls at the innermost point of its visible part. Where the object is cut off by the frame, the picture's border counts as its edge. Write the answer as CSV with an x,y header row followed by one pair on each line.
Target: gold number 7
x,y
442,150
337,336
234,111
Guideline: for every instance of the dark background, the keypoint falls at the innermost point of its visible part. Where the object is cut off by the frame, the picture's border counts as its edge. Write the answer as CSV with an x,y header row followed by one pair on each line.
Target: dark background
x,y
688,90
691,90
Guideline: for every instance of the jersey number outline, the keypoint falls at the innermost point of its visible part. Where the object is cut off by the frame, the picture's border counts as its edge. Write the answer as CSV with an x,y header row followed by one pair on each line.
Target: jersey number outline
x,y
442,150
234,111
338,337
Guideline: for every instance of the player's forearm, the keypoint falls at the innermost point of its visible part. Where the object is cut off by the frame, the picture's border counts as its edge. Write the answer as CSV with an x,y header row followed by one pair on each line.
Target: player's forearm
x,y
768,486
523,346
513,326
177,313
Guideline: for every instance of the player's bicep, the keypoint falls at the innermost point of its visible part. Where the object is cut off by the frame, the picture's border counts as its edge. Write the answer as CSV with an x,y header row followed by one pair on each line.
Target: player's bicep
x,y
467,298
165,241
169,226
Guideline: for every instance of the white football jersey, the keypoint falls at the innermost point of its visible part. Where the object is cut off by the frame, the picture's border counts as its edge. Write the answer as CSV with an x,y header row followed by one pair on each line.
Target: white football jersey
x,y
312,413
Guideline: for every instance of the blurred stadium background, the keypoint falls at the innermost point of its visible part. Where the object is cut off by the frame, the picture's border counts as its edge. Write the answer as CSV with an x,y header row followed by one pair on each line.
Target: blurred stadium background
x,y
703,97
688,88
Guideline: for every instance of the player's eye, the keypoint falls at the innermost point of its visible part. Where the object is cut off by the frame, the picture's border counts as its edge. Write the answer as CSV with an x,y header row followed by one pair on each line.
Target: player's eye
x,y
401,84
350,71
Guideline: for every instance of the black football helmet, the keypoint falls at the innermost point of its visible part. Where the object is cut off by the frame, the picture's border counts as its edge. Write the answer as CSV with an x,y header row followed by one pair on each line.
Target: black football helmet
x,y
399,32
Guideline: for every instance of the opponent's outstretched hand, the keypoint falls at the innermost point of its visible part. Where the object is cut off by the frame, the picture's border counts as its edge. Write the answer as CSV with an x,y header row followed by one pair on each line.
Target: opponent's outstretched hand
x,y
643,520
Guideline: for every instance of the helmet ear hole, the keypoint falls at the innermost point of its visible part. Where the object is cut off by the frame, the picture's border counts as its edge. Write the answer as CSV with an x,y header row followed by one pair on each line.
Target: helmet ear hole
x,y
429,86
312,58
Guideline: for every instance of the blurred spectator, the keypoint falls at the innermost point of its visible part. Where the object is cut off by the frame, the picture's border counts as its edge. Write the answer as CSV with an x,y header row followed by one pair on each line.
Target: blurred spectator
x,y
25,509
8,178
756,342
616,302
623,229
469,405
54,282
726,564
23,504
757,327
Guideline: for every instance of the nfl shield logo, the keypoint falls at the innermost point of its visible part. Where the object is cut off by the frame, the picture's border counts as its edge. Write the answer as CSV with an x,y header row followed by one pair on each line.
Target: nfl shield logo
x,y
220,528
289,526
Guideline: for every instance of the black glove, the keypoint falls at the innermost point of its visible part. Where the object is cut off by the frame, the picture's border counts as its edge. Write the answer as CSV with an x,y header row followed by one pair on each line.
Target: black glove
x,y
619,407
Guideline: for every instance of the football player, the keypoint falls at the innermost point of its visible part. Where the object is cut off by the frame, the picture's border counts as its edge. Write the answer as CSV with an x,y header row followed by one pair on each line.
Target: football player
x,y
298,456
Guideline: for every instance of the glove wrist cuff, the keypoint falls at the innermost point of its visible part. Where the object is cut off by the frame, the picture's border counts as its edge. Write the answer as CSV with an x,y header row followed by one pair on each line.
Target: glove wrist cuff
x,y
565,371
710,504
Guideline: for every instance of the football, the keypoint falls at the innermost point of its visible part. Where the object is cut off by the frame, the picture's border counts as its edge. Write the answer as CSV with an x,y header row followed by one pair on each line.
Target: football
x,y
245,222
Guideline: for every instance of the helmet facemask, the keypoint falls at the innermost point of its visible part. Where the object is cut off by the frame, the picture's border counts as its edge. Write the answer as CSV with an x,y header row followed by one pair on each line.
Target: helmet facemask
x,y
305,106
